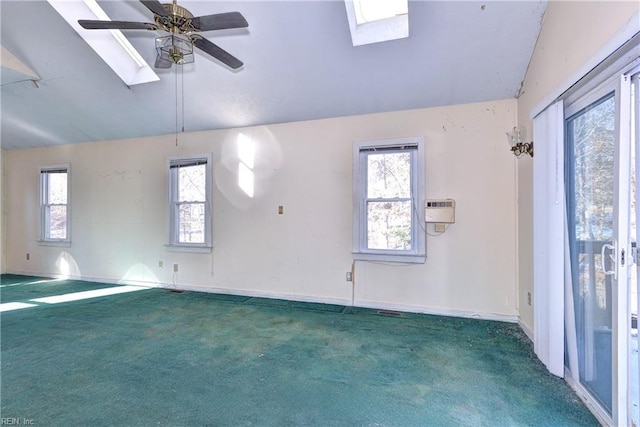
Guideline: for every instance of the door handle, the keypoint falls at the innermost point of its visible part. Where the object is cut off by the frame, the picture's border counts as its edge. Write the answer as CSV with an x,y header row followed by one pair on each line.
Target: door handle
x,y
612,257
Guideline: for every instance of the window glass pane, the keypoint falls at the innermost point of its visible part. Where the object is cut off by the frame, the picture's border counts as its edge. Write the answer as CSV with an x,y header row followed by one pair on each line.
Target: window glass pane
x,y
191,183
191,222
57,222
389,175
593,143
57,188
389,225
590,165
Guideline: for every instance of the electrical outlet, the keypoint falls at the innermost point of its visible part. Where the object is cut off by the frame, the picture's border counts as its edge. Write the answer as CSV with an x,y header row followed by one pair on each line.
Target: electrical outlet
x,y
175,268
28,256
349,276
529,298
440,227
160,264
280,210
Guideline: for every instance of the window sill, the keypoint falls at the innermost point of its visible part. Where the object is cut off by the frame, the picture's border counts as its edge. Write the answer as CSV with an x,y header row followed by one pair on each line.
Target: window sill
x,y
388,257
58,243
189,248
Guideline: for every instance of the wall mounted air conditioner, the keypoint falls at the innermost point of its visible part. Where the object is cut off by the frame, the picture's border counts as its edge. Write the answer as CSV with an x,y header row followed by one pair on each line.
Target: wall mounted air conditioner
x,y
440,211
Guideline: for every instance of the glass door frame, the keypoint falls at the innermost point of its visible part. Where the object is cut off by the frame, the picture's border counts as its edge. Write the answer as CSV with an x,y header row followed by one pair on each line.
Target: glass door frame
x,y
619,81
622,255
634,252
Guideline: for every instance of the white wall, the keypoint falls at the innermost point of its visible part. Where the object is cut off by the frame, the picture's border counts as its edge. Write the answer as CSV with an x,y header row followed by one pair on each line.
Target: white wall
x,y
119,194
572,33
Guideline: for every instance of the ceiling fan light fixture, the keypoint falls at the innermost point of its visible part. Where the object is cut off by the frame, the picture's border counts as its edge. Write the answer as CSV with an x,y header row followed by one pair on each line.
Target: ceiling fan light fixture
x,y
175,48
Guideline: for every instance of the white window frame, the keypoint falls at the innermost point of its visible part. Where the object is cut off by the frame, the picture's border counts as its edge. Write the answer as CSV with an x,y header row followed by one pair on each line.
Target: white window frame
x,y
173,226
417,253
45,238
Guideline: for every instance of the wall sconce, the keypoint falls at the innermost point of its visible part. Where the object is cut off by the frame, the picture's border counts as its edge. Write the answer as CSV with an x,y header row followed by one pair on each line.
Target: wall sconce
x,y
516,139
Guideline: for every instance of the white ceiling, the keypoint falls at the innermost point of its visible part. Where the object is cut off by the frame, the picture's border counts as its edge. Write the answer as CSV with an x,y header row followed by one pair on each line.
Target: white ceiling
x,y
299,64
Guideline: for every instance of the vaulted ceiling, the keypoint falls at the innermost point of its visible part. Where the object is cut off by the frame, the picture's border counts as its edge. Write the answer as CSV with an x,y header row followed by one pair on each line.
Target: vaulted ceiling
x,y
299,64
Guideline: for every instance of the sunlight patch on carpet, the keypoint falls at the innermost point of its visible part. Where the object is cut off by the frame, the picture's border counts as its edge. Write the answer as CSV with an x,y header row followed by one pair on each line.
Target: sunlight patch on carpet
x,y
75,296
9,306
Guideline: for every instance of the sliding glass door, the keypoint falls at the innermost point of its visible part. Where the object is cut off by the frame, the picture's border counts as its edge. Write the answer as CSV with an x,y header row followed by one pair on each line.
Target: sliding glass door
x,y
601,218
590,175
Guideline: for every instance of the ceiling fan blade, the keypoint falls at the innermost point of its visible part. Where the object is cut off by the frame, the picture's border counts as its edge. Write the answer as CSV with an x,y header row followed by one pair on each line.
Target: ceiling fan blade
x,y
162,62
155,7
115,25
219,21
217,52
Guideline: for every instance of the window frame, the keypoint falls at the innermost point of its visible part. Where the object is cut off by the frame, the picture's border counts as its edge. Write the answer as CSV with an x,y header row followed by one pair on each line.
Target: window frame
x,y
173,225
360,251
45,230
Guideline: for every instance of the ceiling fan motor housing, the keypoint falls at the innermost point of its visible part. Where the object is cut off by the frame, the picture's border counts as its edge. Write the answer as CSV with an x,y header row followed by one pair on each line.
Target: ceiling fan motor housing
x,y
178,21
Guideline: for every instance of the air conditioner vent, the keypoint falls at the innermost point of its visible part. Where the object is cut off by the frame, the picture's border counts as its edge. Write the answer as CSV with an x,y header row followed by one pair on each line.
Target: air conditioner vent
x,y
440,211
440,204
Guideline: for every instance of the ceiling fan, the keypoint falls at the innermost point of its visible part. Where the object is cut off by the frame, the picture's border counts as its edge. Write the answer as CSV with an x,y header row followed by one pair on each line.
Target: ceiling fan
x,y
177,48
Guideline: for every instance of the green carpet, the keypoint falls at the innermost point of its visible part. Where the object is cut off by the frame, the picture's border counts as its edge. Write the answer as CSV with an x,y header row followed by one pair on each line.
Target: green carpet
x,y
155,357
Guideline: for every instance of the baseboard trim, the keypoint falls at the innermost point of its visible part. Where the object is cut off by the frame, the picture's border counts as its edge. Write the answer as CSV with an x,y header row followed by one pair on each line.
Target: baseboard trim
x,y
347,302
259,294
437,311
108,281
37,274
290,297
527,331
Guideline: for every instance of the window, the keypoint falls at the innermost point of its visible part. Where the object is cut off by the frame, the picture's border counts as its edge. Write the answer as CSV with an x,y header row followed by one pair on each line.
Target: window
x,y
54,203
189,202
388,195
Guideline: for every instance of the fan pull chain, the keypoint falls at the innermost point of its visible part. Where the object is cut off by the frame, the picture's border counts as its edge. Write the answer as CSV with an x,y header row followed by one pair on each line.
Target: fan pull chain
x,y
176,87
182,76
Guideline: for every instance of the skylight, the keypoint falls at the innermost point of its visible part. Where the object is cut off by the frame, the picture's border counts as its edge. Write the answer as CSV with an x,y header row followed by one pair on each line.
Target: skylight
x,y
111,45
376,10
374,21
